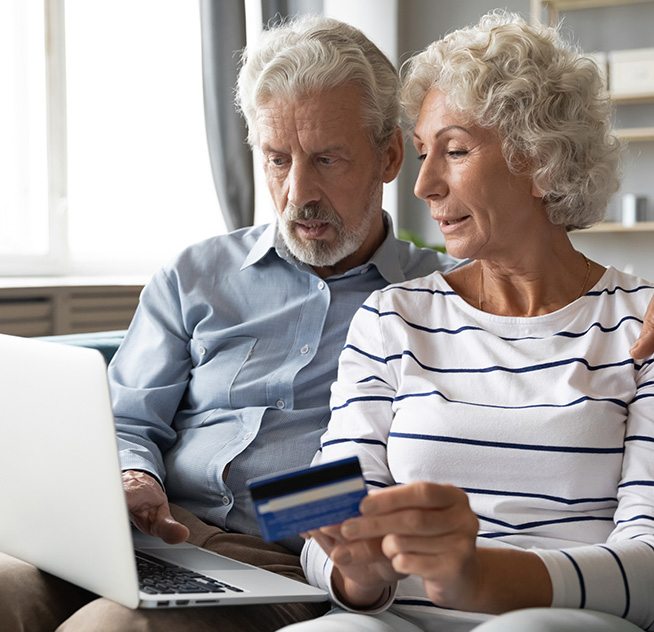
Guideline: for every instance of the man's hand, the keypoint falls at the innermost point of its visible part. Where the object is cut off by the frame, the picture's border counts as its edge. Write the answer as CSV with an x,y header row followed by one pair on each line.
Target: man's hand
x,y
644,346
148,508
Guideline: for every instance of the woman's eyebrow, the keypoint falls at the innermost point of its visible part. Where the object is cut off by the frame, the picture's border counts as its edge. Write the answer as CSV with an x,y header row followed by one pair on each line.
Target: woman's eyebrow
x,y
449,127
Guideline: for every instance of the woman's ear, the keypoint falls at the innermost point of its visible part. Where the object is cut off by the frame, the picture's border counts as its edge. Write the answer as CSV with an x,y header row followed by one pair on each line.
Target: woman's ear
x,y
537,190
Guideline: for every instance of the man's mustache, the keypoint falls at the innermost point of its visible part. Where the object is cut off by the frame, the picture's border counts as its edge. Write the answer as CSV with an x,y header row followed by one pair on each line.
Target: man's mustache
x,y
313,211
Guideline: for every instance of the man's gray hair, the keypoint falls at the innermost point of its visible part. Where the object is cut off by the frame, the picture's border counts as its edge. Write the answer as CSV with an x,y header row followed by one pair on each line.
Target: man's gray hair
x,y
310,54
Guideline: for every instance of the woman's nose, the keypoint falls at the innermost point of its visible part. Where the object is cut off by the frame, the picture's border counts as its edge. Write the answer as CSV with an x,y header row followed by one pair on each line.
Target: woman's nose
x,y
430,183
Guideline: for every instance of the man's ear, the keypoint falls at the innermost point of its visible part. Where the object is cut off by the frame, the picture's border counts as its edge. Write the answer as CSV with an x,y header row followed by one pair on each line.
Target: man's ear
x,y
393,156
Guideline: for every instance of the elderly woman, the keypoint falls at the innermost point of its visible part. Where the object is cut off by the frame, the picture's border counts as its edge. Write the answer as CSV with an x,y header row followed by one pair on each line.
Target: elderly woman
x,y
507,435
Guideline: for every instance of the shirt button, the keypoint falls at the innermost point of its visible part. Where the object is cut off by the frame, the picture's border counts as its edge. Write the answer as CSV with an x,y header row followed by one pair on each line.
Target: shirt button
x,y
202,350
246,436
364,269
281,404
225,500
304,350
321,285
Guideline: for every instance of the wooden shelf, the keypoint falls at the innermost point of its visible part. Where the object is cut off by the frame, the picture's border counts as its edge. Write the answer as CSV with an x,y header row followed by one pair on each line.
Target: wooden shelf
x,y
571,5
617,227
635,134
645,97
554,6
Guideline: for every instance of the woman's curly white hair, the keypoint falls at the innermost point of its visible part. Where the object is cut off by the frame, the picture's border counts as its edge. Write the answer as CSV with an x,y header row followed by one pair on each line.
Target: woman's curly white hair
x,y
547,101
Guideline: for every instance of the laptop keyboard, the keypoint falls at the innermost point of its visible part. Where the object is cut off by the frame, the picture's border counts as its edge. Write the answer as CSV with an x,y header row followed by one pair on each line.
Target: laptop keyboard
x,y
160,577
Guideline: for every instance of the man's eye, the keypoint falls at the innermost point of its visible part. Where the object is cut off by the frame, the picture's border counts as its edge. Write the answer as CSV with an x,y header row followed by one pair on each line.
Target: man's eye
x,y
326,160
276,161
422,157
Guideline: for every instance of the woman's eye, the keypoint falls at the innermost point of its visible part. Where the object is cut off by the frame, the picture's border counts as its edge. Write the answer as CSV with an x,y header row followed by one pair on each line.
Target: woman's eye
x,y
457,153
422,157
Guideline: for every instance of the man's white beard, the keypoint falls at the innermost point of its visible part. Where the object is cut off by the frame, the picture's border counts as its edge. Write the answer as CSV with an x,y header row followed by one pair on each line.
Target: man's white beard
x,y
318,252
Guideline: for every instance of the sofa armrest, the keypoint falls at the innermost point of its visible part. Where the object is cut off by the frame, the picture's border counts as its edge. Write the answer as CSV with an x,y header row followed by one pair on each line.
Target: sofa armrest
x,y
106,342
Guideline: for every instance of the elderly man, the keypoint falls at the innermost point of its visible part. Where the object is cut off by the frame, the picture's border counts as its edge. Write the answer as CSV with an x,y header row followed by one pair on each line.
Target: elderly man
x,y
224,374
225,371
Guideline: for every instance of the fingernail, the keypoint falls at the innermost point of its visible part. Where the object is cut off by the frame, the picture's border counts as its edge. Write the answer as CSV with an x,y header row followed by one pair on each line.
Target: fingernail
x,y
350,529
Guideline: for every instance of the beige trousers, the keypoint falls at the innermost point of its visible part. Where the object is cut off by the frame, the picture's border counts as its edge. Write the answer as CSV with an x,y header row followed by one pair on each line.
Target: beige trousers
x,y
34,601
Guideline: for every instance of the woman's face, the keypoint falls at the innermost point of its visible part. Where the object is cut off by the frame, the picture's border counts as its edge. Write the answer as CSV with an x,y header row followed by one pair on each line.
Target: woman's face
x,y
482,209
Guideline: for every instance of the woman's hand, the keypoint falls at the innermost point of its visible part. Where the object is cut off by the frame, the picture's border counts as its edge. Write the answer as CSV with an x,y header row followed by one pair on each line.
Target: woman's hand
x,y
422,529
427,530
362,572
430,531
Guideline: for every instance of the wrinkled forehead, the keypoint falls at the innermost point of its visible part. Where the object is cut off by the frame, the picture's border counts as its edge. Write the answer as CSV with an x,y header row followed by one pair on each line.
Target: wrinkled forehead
x,y
334,112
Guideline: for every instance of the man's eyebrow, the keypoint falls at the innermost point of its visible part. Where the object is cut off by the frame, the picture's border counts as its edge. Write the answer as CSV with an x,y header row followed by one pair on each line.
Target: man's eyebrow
x,y
269,149
336,149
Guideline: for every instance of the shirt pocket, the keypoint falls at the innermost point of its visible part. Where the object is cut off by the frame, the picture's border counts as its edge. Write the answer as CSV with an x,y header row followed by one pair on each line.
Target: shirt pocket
x,y
216,366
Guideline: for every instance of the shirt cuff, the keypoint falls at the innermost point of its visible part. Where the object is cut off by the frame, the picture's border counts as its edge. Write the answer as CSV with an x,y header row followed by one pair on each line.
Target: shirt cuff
x,y
318,569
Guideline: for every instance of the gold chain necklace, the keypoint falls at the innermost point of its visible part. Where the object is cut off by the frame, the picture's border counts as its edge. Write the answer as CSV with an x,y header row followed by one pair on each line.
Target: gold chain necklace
x,y
480,297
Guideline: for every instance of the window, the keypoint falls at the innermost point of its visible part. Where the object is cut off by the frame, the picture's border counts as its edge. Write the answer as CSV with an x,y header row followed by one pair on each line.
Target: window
x,y
23,160
126,182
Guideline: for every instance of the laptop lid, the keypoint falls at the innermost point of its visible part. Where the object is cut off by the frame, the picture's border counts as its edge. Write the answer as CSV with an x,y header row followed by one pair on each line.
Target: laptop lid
x,y
62,498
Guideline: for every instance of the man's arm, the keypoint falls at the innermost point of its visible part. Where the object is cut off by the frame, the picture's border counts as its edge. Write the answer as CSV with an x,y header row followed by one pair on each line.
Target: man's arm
x,y
644,346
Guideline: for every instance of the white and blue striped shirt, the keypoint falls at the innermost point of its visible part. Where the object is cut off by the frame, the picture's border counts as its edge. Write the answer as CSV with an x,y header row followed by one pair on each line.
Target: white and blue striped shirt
x,y
546,422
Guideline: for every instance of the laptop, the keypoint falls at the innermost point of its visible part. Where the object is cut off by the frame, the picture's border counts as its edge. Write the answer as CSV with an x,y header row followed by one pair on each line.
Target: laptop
x,y
61,494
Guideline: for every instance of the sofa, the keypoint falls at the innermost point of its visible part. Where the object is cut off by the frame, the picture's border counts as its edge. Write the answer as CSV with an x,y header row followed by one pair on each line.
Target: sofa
x,y
106,342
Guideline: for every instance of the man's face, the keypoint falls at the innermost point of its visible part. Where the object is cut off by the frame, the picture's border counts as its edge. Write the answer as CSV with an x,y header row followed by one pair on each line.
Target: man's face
x,y
324,176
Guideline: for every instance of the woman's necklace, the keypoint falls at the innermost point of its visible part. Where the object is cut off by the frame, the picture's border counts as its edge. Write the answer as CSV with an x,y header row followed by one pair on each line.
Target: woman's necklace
x,y
480,297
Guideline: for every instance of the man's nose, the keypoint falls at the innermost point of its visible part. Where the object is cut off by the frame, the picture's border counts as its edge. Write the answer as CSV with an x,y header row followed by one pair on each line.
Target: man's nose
x,y
303,185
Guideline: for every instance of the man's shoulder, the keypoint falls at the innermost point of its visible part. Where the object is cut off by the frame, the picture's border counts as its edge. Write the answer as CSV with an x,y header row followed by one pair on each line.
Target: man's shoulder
x,y
229,249
419,262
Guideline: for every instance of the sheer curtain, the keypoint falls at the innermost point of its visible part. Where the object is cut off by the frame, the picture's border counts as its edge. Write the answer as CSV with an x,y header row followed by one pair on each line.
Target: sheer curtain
x,y
223,36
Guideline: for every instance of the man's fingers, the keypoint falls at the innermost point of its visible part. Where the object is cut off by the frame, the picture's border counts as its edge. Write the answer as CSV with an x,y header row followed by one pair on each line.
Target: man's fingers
x,y
169,530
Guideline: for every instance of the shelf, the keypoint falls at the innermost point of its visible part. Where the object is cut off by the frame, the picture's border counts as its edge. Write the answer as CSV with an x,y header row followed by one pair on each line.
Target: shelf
x,y
635,134
617,227
645,97
571,5
554,6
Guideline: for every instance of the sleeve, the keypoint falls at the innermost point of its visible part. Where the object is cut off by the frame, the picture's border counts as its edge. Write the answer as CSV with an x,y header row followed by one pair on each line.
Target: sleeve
x,y
148,377
618,576
361,416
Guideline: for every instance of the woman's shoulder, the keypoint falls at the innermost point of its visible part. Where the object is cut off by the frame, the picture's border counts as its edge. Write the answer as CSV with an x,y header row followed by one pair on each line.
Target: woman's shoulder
x,y
615,281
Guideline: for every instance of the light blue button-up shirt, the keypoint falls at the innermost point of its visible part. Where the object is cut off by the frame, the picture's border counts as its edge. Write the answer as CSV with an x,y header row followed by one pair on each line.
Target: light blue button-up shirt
x,y
229,360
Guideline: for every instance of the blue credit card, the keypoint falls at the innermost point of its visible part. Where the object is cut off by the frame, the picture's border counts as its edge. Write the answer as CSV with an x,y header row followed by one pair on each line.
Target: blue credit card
x,y
299,500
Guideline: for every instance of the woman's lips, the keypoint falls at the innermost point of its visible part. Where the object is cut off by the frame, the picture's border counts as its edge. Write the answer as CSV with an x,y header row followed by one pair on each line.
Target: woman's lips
x,y
452,224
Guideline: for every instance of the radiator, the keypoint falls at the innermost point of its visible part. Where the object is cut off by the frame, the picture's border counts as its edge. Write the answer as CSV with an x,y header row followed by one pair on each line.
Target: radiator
x,y
47,311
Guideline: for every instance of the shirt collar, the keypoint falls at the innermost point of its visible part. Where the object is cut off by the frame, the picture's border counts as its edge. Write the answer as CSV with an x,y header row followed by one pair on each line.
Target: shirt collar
x,y
263,245
385,258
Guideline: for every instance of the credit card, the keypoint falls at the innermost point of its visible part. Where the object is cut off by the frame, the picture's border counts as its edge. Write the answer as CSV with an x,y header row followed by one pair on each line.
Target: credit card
x,y
296,501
